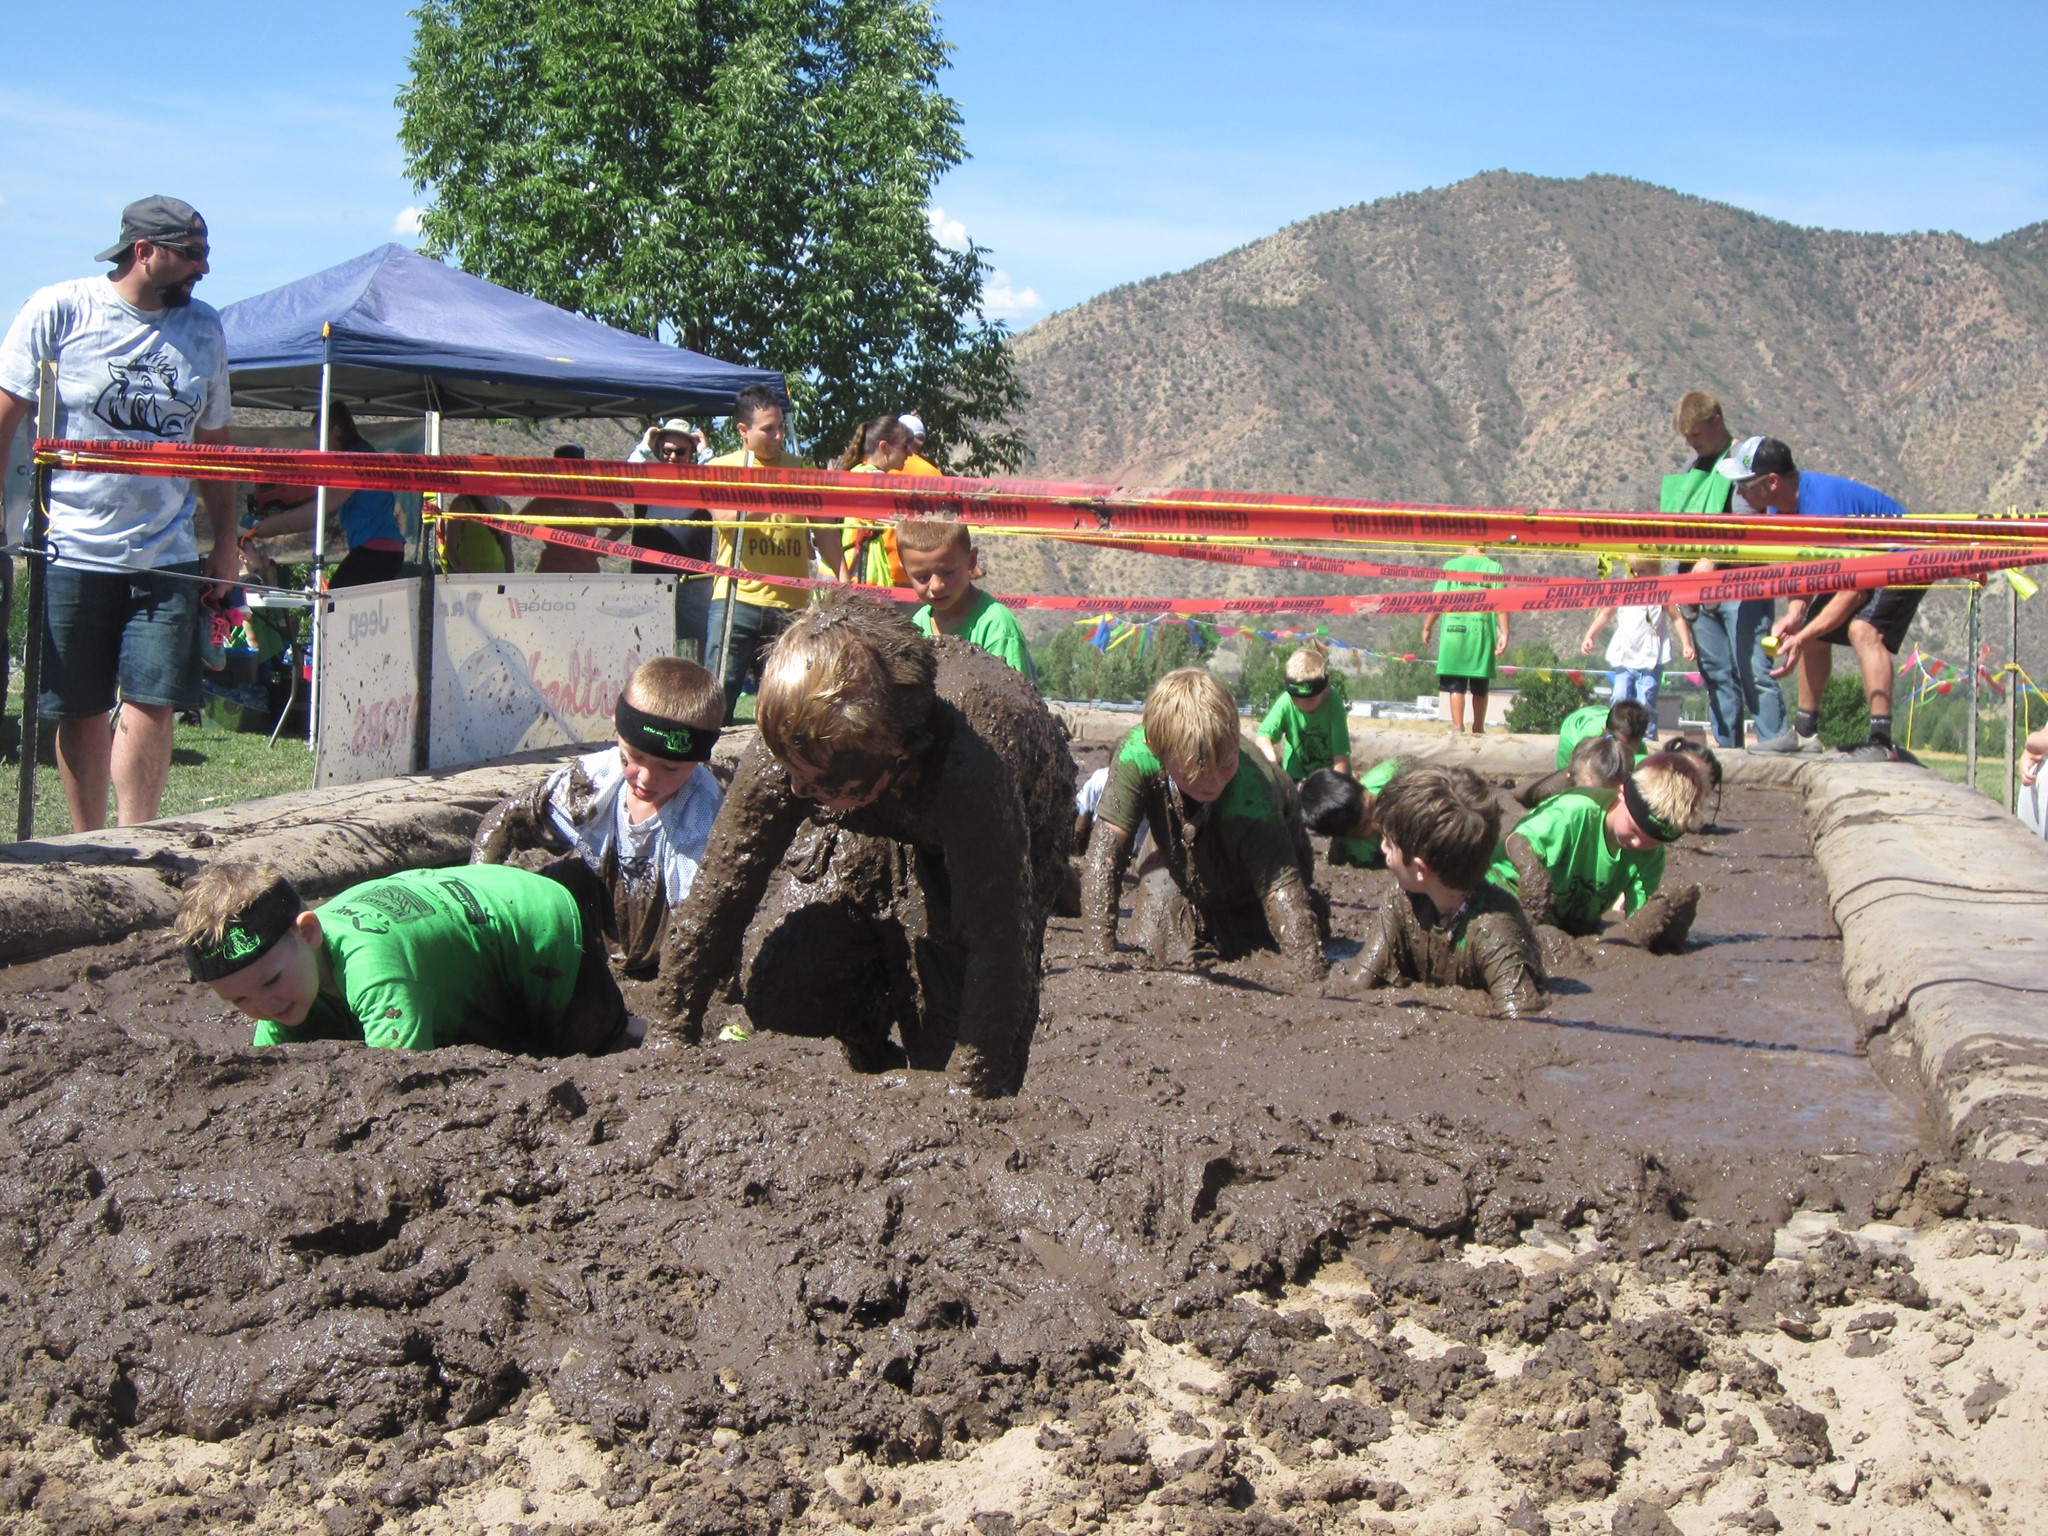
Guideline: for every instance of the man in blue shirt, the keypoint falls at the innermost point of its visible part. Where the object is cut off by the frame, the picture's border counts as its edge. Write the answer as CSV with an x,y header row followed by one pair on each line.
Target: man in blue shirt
x,y
1872,624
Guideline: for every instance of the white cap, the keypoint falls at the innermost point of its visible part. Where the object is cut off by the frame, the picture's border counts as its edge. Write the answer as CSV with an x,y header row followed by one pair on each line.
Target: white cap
x,y
915,423
675,424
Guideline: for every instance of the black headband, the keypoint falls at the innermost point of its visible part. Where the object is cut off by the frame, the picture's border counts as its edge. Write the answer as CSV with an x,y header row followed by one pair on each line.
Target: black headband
x,y
670,740
1307,690
247,936
1647,819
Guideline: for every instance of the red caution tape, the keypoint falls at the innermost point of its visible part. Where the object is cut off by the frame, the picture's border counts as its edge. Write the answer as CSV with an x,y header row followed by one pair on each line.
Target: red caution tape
x,y
1806,578
1046,506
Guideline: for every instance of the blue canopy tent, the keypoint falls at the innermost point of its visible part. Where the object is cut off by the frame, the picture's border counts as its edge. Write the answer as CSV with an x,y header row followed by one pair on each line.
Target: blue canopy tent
x,y
401,334
395,333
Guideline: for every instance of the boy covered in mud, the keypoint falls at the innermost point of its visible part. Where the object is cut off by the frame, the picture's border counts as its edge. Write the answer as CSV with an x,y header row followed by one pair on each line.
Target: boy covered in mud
x,y
429,957
1569,860
637,813
1233,870
1306,730
1345,811
949,759
1448,924
940,559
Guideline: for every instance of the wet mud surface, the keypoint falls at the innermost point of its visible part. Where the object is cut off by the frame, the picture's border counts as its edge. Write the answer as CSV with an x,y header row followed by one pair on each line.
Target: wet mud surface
x,y
737,1270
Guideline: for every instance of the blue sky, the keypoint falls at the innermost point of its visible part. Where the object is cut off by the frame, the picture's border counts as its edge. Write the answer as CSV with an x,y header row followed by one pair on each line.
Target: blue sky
x,y
1110,141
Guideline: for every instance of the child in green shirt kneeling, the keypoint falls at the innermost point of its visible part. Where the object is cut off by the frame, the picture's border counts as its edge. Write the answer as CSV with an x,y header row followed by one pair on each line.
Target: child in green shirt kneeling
x,y
1448,925
1569,860
1343,810
1306,730
482,954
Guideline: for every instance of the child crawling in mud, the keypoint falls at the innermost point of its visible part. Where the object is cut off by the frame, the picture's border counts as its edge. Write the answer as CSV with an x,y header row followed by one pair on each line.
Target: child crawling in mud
x,y
1625,724
948,758
1233,871
1448,924
637,813
1345,811
1569,860
429,957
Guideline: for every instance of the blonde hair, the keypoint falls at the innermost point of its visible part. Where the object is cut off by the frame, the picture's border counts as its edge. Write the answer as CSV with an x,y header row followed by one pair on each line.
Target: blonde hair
x,y
1191,721
220,893
933,535
1695,409
677,689
851,675
1307,665
1672,789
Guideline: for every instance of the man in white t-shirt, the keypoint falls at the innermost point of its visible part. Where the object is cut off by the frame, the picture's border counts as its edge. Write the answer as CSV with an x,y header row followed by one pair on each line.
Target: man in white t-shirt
x,y
137,361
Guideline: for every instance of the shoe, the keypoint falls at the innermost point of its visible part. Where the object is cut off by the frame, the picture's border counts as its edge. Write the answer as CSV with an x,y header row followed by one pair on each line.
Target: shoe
x,y
1789,744
1877,752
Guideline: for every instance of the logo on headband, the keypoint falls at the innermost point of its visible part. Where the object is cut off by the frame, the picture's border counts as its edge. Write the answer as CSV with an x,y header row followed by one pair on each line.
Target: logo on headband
x,y
238,943
1309,689
671,740
678,741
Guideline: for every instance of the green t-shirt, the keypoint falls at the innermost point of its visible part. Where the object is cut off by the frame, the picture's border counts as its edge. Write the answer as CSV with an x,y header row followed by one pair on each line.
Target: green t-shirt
x,y
1587,720
1307,739
1244,843
434,956
989,625
1365,851
1465,641
1568,832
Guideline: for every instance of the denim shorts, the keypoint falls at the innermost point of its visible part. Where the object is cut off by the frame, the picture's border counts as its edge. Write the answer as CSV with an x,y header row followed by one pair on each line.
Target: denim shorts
x,y
135,630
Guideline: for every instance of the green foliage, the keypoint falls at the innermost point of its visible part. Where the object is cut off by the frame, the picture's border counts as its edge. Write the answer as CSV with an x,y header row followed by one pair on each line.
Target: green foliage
x,y
1070,668
1844,712
1541,703
748,178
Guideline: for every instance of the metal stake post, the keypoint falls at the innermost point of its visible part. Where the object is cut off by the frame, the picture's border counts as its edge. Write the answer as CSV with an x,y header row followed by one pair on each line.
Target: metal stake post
x,y
423,660
1970,726
319,536
36,538
2010,795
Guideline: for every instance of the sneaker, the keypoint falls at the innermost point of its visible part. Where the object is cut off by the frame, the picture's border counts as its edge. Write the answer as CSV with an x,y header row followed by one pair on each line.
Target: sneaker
x,y
1789,744
1877,752
213,645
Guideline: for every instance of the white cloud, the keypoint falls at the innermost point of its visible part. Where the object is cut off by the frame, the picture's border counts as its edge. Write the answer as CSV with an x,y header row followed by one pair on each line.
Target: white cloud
x,y
948,232
407,224
1002,299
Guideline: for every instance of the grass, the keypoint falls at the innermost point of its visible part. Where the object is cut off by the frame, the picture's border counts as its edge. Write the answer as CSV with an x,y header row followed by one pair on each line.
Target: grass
x,y
210,768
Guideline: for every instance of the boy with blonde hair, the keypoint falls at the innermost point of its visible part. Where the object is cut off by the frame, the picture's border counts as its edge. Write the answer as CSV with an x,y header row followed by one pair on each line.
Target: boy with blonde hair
x,y
429,957
636,813
939,557
1306,729
947,760
1571,858
1448,924
1235,871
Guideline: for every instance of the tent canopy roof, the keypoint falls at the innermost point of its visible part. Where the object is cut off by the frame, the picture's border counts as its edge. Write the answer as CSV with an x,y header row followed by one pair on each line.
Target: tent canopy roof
x,y
411,335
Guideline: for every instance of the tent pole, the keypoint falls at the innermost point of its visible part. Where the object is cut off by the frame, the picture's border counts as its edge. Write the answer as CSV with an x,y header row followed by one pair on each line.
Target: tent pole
x,y
36,537
423,656
319,535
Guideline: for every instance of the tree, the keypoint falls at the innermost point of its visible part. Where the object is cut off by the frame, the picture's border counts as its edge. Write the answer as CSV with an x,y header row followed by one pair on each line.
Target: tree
x,y
747,178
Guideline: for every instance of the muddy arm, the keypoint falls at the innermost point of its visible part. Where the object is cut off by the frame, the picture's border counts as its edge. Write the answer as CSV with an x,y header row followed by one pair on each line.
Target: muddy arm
x,y
517,822
1379,962
1293,921
1509,964
752,833
1102,880
1534,876
1661,923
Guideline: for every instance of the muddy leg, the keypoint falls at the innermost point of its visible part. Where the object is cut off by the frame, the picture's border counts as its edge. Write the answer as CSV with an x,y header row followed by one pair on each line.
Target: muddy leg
x,y
1163,921
1660,924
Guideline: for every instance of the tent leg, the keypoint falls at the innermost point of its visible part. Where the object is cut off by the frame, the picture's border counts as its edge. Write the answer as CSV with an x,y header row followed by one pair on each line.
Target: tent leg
x,y
423,654
36,538
319,539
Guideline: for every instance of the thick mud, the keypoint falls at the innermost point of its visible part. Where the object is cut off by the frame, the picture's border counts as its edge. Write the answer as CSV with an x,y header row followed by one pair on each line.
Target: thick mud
x,y
741,1268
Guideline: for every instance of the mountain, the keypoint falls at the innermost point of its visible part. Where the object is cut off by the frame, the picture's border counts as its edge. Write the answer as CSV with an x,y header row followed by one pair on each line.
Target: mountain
x,y
1513,339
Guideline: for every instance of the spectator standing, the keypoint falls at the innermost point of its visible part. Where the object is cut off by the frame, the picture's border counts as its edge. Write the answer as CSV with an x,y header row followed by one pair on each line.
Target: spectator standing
x,y
369,519
565,559
138,360
1467,660
675,441
747,614
1729,636
1872,624
917,463
880,447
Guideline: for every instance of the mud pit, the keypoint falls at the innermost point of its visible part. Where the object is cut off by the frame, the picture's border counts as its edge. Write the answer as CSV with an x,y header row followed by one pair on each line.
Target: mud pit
x,y
1239,1258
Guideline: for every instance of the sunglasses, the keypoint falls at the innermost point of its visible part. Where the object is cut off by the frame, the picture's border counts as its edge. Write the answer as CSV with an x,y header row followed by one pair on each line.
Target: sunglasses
x,y
189,252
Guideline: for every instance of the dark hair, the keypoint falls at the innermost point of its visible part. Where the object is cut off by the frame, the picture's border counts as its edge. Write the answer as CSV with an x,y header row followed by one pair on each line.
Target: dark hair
x,y
869,436
1704,754
752,401
571,451
352,439
1447,817
1331,803
1630,719
1604,757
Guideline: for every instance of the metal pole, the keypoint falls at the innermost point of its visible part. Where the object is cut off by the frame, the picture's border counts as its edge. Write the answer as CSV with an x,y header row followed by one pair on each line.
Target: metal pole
x,y
732,587
2010,787
36,538
1976,669
319,535
423,664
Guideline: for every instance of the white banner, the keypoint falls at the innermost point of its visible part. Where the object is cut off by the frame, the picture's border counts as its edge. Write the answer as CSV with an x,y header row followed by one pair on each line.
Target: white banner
x,y
369,682
538,661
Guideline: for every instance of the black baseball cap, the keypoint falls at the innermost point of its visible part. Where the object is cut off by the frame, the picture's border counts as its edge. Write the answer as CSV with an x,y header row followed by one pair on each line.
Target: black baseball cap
x,y
160,220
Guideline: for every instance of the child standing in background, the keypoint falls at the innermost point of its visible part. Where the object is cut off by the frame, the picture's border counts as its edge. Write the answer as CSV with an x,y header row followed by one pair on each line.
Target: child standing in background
x,y
1467,658
1640,647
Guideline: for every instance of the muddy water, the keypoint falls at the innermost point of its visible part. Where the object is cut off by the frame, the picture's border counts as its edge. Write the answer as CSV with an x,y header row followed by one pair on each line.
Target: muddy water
x,y
202,1238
